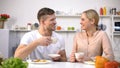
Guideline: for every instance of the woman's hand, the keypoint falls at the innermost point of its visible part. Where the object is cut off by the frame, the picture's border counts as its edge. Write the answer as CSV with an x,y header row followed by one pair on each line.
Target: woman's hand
x,y
72,58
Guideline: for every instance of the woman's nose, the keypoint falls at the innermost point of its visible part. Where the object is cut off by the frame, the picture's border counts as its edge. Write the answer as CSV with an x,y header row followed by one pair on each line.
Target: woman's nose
x,y
80,22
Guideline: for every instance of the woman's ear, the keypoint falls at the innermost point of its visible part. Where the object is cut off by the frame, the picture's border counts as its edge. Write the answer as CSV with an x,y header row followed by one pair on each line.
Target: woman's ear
x,y
93,21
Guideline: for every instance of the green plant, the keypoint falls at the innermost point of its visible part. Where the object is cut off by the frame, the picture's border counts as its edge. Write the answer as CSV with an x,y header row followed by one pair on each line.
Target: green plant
x,y
14,63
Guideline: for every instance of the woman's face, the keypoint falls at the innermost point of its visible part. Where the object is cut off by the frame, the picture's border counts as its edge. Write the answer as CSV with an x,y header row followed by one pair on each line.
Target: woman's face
x,y
85,22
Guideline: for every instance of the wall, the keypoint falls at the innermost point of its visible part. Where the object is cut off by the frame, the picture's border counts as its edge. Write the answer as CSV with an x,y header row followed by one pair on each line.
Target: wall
x,y
24,11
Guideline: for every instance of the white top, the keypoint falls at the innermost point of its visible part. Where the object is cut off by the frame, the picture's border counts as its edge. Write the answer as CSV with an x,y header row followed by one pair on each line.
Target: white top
x,y
61,65
41,52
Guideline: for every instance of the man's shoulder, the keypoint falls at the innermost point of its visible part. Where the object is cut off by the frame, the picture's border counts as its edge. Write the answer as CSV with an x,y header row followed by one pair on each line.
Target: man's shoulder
x,y
57,34
31,33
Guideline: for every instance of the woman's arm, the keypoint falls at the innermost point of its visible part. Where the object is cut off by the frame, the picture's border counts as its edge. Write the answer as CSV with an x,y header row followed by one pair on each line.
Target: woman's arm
x,y
107,48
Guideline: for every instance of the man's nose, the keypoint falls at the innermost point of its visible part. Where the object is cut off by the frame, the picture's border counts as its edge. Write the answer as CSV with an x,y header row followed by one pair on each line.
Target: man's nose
x,y
55,22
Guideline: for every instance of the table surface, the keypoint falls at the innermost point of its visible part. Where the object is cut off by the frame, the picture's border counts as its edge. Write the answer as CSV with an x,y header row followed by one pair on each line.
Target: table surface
x,y
60,65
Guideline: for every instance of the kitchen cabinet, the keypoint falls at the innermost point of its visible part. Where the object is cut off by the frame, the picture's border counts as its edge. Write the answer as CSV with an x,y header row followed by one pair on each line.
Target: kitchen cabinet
x,y
116,36
8,42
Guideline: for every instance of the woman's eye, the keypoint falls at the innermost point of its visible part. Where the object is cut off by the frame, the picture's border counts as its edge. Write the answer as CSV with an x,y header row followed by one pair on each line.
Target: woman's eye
x,y
82,19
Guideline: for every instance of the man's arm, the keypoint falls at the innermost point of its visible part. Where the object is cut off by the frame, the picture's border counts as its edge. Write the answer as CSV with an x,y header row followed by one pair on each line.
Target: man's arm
x,y
24,50
63,55
107,48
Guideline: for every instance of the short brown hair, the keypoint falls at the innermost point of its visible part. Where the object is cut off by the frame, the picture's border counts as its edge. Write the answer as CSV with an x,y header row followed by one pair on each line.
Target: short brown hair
x,y
43,12
92,14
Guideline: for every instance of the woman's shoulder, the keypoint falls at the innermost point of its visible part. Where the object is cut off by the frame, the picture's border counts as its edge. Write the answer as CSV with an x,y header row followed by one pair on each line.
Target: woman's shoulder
x,y
80,34
101,32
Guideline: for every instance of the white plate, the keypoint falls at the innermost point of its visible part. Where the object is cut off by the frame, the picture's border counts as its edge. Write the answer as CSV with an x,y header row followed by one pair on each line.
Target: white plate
x,y
53,55
41,62
89,62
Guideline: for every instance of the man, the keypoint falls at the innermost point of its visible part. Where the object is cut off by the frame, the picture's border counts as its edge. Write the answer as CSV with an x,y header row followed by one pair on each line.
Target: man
x,y
39,43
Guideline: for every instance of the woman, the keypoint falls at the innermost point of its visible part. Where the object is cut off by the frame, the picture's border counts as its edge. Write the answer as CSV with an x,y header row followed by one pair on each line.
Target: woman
x,y
92,42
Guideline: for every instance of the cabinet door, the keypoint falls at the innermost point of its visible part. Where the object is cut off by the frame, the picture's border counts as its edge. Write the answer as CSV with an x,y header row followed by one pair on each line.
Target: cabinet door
x,y
116,37
4,42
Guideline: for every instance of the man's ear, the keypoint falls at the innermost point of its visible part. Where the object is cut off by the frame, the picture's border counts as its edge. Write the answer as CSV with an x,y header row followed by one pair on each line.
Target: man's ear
x,y
42,22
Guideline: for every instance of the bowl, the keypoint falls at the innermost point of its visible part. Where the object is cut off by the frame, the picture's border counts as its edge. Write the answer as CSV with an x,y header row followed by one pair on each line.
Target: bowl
x,y
53,55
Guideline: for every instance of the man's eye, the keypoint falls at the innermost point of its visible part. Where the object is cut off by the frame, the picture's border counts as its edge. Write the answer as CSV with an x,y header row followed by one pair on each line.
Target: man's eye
x,y
52,19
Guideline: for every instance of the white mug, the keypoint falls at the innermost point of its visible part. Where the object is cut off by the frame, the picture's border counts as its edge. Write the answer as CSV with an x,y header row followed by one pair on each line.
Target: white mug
x,y
79,56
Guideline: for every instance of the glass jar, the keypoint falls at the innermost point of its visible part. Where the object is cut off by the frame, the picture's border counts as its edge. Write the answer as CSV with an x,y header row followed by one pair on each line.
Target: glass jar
x,y
113,11
101,11
29,26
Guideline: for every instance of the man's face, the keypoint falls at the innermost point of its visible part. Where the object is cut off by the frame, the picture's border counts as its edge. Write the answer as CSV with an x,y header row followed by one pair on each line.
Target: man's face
x,y
50,22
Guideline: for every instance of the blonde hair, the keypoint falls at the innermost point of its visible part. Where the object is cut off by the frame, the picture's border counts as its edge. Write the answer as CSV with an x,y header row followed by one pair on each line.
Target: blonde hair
x,y
92,14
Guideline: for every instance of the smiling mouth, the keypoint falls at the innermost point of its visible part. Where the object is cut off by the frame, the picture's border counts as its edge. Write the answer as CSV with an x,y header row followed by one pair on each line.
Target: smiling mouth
x,y
54,26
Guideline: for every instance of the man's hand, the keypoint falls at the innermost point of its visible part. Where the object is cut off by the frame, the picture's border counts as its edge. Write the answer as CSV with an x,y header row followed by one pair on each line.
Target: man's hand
x,y
62,56
58,57
45,41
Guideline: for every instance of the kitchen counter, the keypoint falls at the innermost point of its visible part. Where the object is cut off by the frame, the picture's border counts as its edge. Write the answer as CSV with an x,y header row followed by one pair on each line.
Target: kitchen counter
x,y
61,65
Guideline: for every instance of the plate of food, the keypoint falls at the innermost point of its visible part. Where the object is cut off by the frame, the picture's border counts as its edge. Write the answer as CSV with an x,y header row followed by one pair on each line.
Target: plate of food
x,y
89,62
40,61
